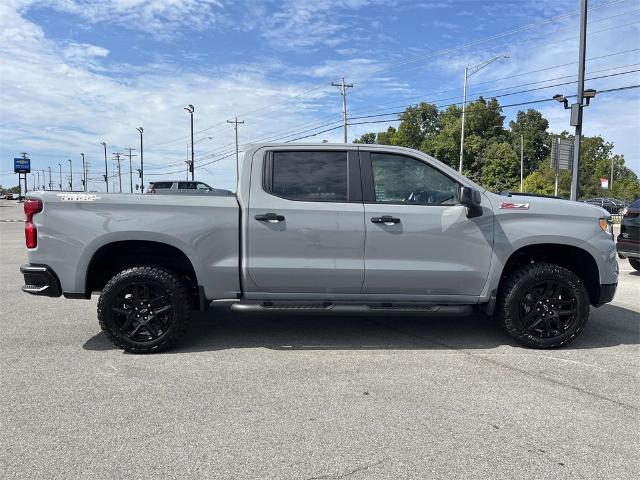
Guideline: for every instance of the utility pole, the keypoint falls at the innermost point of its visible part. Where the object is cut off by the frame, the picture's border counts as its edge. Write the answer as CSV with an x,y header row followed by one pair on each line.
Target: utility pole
x,y
141,130
44,179
70,175
521,163
84,174
38,173
235,126
611,178
60,167
190,108
343,91
577,107
131,169
106,169
50,184
117,155
468,71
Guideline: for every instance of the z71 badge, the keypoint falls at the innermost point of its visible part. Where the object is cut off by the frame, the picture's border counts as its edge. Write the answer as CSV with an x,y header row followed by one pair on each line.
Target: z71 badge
x,y
78,197
515,206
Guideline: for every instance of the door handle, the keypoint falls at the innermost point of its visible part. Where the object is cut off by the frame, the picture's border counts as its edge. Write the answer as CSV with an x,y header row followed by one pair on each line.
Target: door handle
x,y
386,219
270,217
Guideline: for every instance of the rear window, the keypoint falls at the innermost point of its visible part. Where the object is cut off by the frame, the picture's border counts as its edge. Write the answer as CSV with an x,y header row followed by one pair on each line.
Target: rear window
x,y
158,185
308,176
635,204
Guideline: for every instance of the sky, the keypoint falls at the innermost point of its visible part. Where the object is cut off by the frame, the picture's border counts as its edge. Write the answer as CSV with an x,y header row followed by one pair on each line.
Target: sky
x,y
75,73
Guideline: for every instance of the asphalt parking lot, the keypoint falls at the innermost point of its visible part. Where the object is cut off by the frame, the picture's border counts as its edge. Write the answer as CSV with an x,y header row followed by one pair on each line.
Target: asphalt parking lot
x,y
251,397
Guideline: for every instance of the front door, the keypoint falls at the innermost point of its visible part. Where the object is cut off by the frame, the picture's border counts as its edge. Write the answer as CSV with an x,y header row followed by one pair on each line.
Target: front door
x,y
419,240
305,223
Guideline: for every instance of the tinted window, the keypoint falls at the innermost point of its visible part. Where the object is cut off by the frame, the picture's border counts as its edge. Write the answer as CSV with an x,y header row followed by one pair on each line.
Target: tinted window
x,y
635,204
309,176
400,179
158,185
186,185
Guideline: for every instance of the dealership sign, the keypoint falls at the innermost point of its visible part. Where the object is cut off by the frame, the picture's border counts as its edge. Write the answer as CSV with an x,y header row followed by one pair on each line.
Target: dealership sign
x,y
21,165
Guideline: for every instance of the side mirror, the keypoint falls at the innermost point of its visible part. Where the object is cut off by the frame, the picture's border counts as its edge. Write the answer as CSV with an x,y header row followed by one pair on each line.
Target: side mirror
x,y
470,197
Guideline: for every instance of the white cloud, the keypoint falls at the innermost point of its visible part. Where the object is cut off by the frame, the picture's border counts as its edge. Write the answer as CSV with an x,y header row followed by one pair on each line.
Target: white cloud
x,y
158,18
55,105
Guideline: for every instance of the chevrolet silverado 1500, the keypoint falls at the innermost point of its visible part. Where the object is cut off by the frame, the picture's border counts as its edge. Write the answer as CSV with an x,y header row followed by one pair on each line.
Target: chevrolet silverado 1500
x,y
325,228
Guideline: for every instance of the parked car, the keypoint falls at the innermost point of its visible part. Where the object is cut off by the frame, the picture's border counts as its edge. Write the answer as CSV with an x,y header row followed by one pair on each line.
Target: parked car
x,y
185,187
339,229
628,244
11,196
611,205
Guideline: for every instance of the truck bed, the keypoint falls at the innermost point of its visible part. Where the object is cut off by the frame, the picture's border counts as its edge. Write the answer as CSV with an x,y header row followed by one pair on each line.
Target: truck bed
x,y
74,226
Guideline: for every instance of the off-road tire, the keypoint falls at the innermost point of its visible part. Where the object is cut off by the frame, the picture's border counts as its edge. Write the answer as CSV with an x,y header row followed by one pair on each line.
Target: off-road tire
x,y
160,280
517,284
635,264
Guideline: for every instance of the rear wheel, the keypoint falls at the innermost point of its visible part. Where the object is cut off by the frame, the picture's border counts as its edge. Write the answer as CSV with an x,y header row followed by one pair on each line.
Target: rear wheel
x,y
144,309
635,264
543,305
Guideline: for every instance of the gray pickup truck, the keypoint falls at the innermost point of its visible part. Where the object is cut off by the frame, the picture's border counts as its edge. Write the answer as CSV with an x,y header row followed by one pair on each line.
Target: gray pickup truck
x,y
368,229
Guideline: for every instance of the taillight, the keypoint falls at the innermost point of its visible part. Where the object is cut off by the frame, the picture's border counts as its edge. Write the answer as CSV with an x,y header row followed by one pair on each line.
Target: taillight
x,y
31,207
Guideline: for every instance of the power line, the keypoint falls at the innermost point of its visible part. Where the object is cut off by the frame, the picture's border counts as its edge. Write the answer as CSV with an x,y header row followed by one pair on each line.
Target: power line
x,y
423,57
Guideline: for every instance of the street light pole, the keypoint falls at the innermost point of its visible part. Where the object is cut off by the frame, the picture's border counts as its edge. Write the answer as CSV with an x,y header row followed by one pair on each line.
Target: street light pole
x,y
50,184
84,174
521,163
190,108
577,107
70,175
468,71
106,169
60,166
140,129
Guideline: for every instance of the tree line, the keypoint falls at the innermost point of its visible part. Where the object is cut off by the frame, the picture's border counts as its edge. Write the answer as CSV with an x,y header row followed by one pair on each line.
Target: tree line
x,y
492,151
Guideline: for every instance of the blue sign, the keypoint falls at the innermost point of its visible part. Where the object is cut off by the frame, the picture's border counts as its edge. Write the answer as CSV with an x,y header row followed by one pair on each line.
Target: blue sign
x,y
21,165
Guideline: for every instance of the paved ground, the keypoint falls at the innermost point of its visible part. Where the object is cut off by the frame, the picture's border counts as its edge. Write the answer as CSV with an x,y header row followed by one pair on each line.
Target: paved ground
x,y
312,398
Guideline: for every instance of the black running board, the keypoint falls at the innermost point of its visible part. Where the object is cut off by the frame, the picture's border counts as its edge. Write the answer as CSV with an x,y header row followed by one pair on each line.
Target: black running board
x,y
358,309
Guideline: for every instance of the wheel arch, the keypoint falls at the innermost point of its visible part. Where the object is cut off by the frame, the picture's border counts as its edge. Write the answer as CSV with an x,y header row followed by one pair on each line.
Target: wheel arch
x,y
571,257
115,256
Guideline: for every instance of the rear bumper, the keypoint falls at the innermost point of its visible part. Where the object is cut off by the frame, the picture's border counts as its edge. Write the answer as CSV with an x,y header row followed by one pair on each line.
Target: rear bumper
x,y
40,280
606,294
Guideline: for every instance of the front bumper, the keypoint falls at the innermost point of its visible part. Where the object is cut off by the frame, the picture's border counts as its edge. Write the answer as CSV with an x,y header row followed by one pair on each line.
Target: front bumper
x,y
606,294
40,280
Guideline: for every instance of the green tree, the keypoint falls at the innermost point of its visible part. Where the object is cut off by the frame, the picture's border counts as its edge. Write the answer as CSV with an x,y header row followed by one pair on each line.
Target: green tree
x,y
537,141
368,138
416,124
500,169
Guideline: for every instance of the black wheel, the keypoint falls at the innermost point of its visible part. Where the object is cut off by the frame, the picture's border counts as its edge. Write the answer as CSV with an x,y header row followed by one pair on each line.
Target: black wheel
x,y
635,264
543,305
144,309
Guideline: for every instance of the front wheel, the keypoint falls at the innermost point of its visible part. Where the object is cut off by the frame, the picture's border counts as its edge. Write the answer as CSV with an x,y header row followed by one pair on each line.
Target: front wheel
x,y
543,305
144,309
635,264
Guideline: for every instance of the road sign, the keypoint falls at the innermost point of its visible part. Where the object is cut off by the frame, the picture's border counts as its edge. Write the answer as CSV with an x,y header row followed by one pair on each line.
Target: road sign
x,y
604,183
21,165
562,154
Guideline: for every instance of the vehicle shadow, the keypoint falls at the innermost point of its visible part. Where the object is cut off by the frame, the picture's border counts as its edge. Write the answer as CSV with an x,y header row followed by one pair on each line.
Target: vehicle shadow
x,y
220,329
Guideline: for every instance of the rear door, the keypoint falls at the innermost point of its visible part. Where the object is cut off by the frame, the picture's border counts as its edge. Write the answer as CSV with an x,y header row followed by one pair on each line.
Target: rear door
x,y
419,240
305,222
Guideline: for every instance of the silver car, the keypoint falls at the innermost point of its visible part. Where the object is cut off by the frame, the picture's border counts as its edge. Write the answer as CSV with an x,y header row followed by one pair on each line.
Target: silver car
x,y
185,187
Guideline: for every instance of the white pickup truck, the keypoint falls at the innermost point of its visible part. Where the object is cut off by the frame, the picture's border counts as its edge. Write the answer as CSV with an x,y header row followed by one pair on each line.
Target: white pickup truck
x,y
369,229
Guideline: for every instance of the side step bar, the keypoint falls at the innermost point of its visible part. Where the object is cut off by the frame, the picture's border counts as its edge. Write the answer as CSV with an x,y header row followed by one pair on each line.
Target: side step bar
x,y
358,309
